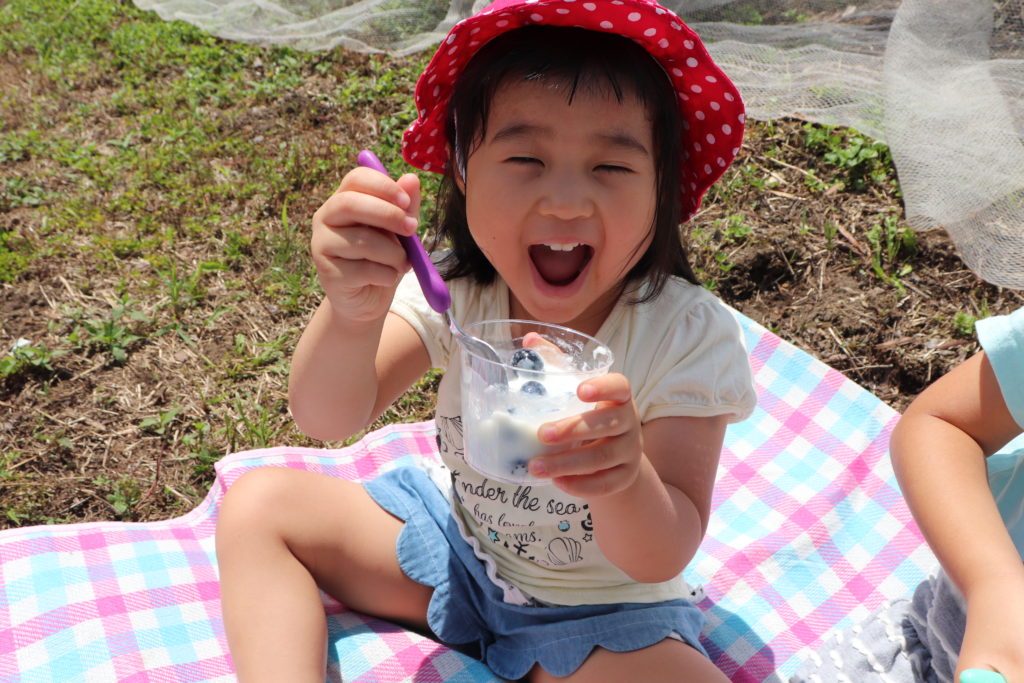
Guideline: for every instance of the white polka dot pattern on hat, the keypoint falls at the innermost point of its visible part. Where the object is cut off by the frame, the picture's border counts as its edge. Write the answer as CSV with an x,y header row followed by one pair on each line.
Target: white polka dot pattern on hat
x,y
709,104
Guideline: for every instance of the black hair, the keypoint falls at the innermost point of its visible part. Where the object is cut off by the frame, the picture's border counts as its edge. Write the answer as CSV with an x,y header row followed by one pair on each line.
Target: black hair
x,y
572,56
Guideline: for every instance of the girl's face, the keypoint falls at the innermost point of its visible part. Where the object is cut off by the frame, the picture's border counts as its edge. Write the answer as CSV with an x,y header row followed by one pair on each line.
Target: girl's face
x,y
560,197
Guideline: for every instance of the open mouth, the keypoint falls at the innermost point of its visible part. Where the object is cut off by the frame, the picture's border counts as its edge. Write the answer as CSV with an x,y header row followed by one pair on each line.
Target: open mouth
x,y
559,264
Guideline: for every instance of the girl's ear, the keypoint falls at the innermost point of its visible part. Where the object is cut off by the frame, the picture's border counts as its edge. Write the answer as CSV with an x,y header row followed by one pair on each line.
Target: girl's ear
x,y
460,178
458,166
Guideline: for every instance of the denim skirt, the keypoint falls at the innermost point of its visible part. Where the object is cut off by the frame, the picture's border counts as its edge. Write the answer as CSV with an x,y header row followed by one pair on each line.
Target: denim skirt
x,y
467,611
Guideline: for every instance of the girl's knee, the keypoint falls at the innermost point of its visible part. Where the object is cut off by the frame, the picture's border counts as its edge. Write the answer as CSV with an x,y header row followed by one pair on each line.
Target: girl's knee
x,y
255,497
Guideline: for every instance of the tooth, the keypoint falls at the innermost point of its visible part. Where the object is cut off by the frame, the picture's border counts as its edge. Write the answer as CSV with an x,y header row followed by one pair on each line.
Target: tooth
x,y
567,246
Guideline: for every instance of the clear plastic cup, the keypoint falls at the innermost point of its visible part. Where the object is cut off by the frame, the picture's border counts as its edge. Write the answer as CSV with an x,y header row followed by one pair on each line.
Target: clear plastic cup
x,y
544,365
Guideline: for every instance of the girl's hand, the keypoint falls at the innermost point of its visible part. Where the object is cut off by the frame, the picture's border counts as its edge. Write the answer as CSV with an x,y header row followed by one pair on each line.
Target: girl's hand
x,y
603,446
994,637
355,247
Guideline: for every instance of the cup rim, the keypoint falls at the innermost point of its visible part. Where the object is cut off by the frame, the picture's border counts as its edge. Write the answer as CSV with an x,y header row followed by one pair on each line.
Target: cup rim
x,y
510,321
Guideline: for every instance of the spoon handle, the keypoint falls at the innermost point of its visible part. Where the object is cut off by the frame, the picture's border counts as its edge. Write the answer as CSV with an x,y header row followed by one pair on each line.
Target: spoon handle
x,y
434,289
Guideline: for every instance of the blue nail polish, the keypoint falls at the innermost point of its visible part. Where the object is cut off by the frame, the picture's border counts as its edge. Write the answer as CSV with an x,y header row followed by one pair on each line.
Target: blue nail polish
x,y
980,676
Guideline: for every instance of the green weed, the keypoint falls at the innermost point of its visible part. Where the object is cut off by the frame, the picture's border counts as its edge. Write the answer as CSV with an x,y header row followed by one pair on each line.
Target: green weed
x,y
160,423
113,333
183,291
256,359
724,238
123,494
21,146
28,358
15,254
21,191
291,277
197,439
830,229
963,323
892,245
863,160
748,13
255,425
9,462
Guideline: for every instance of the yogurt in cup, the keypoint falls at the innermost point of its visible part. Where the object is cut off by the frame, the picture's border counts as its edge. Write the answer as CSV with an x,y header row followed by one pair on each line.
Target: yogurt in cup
x,y
544,364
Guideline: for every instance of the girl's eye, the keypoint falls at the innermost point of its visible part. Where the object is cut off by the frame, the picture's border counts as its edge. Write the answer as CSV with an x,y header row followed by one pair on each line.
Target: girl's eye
x,y
524,160
612,168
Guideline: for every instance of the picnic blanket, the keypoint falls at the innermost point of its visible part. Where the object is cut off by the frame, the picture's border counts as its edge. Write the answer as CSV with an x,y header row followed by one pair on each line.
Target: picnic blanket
x,y
808,533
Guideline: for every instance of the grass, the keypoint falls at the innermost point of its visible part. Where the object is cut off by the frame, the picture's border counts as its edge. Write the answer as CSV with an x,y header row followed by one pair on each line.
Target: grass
x,y
160,171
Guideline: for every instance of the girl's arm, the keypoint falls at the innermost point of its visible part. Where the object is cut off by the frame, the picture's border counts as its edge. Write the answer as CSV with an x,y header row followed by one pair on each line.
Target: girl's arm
x,y
354,357
344,374
648,486
652,529
938,451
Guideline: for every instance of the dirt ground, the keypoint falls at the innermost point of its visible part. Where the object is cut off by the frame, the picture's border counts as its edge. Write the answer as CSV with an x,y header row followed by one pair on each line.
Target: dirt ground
x,y
787,241
824,294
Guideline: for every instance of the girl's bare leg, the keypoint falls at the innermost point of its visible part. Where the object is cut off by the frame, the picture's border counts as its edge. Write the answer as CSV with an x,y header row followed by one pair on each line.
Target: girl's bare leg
x,y
670,660
281,535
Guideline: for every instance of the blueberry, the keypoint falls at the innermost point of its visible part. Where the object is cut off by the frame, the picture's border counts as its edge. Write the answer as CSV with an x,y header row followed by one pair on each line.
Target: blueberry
x,y
527,359
520,467
533,387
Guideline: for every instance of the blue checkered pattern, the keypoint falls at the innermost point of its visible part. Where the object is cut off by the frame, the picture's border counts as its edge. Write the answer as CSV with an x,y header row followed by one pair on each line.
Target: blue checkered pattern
x,y
808,533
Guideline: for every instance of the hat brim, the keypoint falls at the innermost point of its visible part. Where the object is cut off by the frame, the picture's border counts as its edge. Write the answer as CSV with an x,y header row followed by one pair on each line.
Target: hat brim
x,y
710,106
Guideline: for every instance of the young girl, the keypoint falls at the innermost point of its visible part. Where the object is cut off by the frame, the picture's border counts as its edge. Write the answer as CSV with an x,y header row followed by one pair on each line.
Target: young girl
x,y
574,137
939,449
966,623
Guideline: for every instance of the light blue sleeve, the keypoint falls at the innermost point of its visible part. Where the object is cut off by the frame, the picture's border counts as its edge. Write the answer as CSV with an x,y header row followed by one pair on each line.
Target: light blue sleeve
x,y
1002,337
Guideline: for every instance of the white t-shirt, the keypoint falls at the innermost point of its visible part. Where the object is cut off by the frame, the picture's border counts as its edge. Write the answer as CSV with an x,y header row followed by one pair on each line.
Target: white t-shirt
x,y
683,354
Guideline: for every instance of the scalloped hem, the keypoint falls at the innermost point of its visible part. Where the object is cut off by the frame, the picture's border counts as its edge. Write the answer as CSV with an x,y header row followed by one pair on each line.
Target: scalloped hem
x,y
564,656
468,608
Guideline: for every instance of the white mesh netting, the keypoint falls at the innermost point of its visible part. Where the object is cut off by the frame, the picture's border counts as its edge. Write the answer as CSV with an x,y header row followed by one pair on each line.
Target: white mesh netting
x,y
940,81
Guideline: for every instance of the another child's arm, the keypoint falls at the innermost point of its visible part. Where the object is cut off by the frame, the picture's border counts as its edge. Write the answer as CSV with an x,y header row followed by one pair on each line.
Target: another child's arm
x,y
648,486
938,451
353,358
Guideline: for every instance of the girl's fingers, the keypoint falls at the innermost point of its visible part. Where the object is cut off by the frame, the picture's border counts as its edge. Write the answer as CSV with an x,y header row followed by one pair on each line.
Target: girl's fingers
x,y
551,354
613,415
358,243
606,420
410,184
348,209
368,181
612,387
595,485
589,459
361,272
368,197
596,442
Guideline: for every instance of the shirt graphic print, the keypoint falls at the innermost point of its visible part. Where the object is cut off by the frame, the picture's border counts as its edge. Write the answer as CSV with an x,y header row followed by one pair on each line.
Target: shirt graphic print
x,y
536,523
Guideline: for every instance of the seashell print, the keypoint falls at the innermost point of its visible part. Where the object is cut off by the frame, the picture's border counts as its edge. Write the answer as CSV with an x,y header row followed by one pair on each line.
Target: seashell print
x,y
564,550
449,437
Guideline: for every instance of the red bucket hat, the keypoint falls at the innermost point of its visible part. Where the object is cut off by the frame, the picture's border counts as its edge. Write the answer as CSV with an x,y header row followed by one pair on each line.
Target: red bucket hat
x,y
709,104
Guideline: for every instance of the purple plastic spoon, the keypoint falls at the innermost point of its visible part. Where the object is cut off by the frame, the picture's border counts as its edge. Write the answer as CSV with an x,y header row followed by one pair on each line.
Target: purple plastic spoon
x,y
435,291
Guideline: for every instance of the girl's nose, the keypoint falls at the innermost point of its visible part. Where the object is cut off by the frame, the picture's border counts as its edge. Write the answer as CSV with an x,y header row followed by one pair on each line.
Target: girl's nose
x,y
566,198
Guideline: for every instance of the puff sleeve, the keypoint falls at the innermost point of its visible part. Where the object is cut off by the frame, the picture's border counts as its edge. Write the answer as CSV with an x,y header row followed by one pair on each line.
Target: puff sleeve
x,y
697,365
1002,337
411,306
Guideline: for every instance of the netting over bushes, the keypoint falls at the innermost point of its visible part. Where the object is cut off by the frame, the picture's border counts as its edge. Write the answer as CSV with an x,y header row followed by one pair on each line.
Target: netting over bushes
x,y
940,81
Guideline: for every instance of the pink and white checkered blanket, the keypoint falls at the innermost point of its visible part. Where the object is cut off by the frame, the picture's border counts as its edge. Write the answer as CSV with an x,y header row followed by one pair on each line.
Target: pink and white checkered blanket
x,y
809,533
